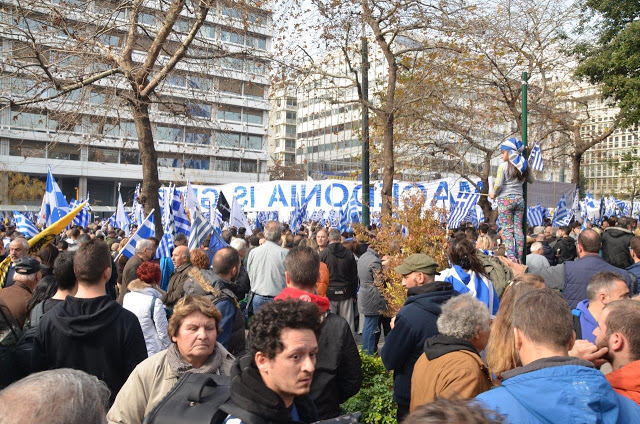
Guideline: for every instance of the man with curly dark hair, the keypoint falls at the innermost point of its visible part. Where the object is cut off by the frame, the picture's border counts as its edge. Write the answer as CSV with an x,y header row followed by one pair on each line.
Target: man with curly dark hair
x,y
273,382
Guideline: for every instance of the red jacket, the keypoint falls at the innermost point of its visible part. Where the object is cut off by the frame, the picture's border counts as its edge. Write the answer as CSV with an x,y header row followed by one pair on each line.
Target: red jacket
x,y
626,381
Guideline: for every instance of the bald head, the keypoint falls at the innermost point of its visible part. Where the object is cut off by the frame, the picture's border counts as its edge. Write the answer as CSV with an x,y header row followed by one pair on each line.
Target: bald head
x,y
180,256
589,242
226,263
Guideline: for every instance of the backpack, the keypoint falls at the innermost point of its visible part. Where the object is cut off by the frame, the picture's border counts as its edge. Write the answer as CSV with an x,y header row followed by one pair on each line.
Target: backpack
x,y
194,399
498,273
24,348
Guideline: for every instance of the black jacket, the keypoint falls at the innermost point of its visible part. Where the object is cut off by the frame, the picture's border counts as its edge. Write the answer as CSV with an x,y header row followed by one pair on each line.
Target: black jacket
x,y
565,249
343,271
547,252
95,335
338,374
254,403
615,247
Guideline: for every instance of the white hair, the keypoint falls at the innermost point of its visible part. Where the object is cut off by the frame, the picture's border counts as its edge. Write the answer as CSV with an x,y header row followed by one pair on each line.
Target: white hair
x,y
144,244
238,244
536,246
462,316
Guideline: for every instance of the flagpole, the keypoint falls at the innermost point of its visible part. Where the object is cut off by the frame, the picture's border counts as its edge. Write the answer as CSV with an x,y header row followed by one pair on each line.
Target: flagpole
x,y
525,79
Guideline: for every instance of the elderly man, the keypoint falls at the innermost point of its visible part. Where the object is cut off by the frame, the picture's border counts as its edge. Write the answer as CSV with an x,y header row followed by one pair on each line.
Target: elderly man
x,y
450,366
604,287
414,323
18,248
266,267
145,251
536,258
182,263
28,271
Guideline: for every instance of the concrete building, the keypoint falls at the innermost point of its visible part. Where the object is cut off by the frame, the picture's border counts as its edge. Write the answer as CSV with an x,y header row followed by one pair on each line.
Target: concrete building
x,y
282,125
222,138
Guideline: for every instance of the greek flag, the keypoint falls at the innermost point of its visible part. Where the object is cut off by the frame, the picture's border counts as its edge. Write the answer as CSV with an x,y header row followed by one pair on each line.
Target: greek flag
x,y
56,205
535,215
215,217
297,216
112,220
622,206
166,245
23,225
460,208
122,218
200,229
216,243
84,216
180,219
316,215
562,215
475,216
478,285
136,208
349,214
535,158
145,230
273,216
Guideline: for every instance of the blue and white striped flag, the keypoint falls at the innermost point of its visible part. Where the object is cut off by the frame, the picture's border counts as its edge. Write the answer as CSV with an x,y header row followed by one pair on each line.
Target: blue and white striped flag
x,y
297,216
476,284
200,229
273,216
562,215
146,230
460,208
112,220
56,205
180,218
166,245
535,215
622,206
535,158
23,225
83,218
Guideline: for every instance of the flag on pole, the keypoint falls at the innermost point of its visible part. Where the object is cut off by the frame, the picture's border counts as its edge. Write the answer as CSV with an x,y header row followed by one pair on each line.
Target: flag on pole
x,y
191,199
200,229
459,208
575,208
84,216
40,240
23,225
535,158
562,215
146,230
237,217
216,243
223,207
166,245
56,205
535,215
122,218
180,218
297,216
215,217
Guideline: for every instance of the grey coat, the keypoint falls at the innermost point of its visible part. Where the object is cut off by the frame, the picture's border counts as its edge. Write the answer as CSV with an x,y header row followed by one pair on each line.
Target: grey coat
x,y
370,301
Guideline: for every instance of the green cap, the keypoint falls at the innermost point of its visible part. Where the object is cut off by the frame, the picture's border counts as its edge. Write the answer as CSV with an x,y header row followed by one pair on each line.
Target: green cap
x,y
418,262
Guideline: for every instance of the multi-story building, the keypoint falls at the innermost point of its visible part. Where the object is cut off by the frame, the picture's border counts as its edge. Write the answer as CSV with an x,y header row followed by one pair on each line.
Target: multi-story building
x,y
221,138
282,125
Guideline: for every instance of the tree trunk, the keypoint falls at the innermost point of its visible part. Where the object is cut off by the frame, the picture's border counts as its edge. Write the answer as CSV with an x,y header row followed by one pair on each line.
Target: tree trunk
x,y
150,182
389,168
576,159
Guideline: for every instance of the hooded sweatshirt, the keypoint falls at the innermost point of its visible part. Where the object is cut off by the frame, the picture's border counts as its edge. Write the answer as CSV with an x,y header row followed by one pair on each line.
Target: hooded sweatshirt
x,y
252,402
338,374
587,322
415,322
626,381
559,390
94,335
343,271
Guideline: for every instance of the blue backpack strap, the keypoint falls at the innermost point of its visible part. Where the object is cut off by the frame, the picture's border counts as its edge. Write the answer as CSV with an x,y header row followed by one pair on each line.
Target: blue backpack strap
x,y
576,312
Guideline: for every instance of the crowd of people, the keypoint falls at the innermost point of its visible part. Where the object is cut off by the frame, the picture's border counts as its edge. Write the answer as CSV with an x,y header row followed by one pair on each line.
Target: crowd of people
x,y
87,335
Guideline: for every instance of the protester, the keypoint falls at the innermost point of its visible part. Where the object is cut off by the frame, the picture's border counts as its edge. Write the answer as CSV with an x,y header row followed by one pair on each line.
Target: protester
x,y
500,353
145,251
450,411
242,285
370,301
619,331
193,329
216,286
266,267
18,249
414,323
551,386
323,278
451,366
513,172
180,240
343,277
62,396
322,239
565,247
28,272
634,250
338,374
182,263
144,299
272,384
603,288
468,274
89,331
536,258
615,244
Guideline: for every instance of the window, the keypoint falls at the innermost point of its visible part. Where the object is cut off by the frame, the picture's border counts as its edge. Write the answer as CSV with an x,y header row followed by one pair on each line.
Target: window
x,y
200,110
208,31
28,120
130,157
231,37
254,90
228,139
199,83
232,63
146,19
257,19
196,163
253,117
166,133
198,136
250,166
170,161
255,67
228,164
290,144
291,116
252,142
98,154
176,80
290,130
257,42
230,86
128,129
229,113
232,13
292,102
32,149
63,151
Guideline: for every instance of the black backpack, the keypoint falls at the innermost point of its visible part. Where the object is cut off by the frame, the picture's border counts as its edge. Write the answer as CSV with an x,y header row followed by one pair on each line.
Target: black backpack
x,y
194,399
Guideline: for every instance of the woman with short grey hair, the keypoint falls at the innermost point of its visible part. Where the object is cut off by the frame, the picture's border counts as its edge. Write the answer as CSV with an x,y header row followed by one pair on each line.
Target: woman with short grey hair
x,y
450,366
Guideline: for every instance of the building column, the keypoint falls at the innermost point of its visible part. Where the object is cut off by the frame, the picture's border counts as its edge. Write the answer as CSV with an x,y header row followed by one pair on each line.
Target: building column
x,y
82,187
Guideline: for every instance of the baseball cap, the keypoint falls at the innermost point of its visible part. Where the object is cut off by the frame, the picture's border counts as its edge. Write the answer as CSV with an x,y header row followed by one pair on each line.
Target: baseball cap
x,y
417,262
28,265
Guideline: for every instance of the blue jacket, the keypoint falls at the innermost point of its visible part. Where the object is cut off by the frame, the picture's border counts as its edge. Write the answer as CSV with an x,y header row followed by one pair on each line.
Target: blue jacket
x,y
587,322
564,392
578,273
415,322
635,270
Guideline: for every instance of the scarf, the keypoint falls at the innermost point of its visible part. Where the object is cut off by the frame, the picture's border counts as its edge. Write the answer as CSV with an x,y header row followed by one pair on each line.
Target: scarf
x,y
514,147
179,366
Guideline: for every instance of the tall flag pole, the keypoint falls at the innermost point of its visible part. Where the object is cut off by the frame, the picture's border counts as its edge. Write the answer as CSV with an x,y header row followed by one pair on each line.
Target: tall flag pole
x,y
525,81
